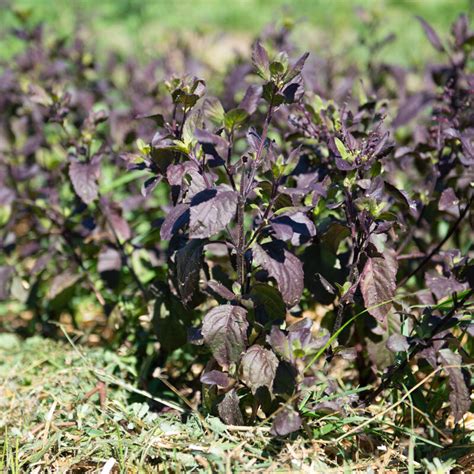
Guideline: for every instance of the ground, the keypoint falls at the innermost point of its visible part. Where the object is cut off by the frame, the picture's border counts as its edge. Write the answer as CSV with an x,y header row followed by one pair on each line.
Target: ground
x,y
52,420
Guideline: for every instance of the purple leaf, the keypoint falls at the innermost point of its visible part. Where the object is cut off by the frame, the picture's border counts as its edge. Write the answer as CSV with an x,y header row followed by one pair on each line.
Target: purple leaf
x,y
431,34
459,396
109,260
116,220
297,68
204,136
378,285
260,61
188,265
215,377
150,184
397,343
176,218
254,140
330,406
282,265
229,410
211,211
293,226
448,201
258,367
411,107
286,422
221,290
280,343
442,286
460,29
62,282
225,332
250,101
84,178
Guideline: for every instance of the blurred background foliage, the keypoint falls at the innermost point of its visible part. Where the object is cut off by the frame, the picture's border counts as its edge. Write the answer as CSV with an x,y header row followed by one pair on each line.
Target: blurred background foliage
x,y
146,27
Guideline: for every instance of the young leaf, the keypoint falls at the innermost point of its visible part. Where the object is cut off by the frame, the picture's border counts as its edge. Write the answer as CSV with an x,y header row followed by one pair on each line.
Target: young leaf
x,y
282,265
258,367
225,332
431,34
346,155
235,117
297,68
378,285
260,61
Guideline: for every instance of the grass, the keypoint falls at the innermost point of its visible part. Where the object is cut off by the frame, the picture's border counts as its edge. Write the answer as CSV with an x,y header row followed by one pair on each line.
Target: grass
x,y
49,424
138,27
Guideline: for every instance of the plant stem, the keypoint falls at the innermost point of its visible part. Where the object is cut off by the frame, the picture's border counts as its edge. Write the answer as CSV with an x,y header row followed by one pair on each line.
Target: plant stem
x,y
438,247
394,370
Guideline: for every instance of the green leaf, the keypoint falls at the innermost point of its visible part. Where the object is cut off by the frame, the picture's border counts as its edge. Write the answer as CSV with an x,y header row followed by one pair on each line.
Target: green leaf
x,y
214,111
268,299
277,68
346,155
234,117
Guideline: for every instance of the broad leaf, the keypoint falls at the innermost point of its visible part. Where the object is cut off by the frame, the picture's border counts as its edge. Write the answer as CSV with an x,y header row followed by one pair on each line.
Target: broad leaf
x,y
259,367
188,265
282,265
229,410
250,101
286,422
62,282
378,284
268,303
235,117
175,219
397,343
225,332
215,377
295,227
211,211
84,178
459,396
109,260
